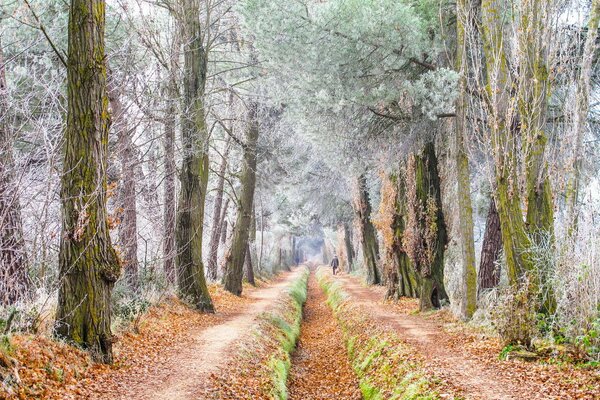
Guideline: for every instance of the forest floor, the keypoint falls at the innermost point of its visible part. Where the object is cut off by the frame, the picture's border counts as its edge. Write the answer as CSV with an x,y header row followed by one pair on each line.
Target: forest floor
x,y
468,359
167,354
175,353
183,370
320,366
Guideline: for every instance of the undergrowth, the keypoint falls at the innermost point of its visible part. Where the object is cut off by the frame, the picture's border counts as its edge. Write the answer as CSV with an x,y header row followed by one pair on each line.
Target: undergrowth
x,y
385,366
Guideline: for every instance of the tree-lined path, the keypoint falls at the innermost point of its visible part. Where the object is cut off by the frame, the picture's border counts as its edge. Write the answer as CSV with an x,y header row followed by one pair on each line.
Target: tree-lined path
x,y
166,164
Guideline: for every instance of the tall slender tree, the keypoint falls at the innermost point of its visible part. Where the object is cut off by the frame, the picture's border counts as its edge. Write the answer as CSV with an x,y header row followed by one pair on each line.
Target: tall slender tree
x,y
88,263
14,277
172,94
234,260
127,202
464,11
216,222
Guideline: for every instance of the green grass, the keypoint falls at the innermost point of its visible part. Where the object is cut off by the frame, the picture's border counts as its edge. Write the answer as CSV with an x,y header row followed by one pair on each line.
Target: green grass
x,y
287,323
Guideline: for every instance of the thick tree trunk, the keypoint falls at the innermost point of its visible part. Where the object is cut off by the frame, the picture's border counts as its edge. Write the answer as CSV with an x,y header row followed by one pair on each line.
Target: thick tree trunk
x,y
14,278
426,236
580,114
249,266
194,170
348,245
489,269
127,189
408,279
465,207
370,246
88,263
216,223
234,260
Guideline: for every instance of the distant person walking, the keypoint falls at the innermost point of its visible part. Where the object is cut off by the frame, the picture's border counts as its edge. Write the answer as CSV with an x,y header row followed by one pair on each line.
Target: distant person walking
x,y
335,263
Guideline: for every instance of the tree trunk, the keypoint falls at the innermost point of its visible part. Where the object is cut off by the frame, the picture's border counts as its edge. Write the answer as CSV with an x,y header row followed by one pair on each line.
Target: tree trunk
x,y
533,96
127,190
170,167
88,263
426,236
216,223
502,125
465,207
362,208
580,114
195,166
15,283
348,245
249,267
234,260
408,279
224,228
489,269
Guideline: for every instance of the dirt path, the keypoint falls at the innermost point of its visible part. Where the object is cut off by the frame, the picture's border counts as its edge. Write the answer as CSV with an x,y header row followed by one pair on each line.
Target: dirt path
x,y
475,379
184,372
320,366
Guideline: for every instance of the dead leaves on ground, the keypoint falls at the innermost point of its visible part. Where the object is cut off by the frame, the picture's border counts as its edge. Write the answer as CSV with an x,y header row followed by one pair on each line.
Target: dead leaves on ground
x,y
48,369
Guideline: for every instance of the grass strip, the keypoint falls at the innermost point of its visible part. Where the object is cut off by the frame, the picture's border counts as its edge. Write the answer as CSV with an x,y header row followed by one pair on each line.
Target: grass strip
x,y
387,368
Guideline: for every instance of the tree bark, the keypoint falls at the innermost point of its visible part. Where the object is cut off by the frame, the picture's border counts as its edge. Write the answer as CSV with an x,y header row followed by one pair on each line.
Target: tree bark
x,y
465,207
88,263
127,191
362,208
348,245
234,260
426,236
489,269
408,283
195,167
15,284
249,266
217,222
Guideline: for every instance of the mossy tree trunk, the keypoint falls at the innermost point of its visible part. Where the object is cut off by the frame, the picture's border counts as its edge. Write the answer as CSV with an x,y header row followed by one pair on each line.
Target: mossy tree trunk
x,y
426,238
523,139
14,278
502,124
127,203
408,280
234,260
362,208
194,167
533,96
216,222
87,261
489,269
464,10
